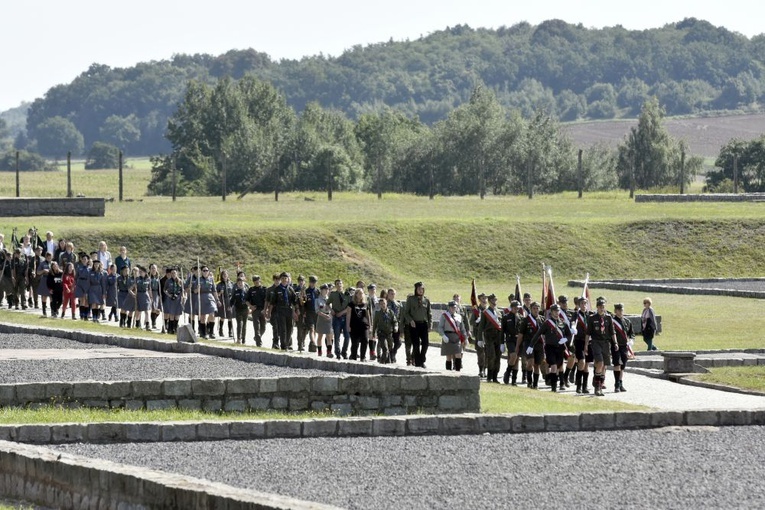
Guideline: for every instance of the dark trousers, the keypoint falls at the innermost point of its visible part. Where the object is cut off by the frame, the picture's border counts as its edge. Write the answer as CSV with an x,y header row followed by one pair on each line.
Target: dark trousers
x,y
259,325
339,327
241,323
359,342
419,342
283,323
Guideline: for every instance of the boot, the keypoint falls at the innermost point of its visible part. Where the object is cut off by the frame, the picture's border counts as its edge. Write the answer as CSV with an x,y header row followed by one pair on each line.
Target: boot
x,y
123,319
523,376
621,385
45,309
585,378
480,372
372,350
572,374
617,389
506,376
579,381
458,364
148,328
230,328
318,351
536,381
448,364
528,378
211,330
553,382
562,381
514,378
598,384
202,329
220,328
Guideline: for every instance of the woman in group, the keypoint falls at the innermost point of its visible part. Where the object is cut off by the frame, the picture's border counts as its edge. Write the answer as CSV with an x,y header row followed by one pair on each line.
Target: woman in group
x,y
143,297
155,294
224,289
96,289
323,321
649,324
104,255
43,270
453,333
68,282
208,304
124,298
173,302
55,287
60,248
358,320
111,292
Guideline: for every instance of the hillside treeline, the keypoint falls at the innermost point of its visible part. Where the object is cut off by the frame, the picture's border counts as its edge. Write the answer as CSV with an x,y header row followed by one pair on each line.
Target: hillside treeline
x,y
243,135
569,71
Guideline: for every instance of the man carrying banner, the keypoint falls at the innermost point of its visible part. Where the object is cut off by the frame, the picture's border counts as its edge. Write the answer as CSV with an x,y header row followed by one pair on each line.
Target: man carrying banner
x,y
555,333
490,329
534,353
510,322
600,334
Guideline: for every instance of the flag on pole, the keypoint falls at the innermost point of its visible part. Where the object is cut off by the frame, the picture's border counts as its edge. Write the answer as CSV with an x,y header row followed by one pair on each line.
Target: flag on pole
x,y
586,292
543,299
474,299
518,294
550,289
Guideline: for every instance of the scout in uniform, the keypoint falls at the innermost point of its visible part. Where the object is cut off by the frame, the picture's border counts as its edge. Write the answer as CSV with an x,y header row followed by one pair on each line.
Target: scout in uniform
x,y
339,301
96,288
600,334
384,324
419,316
395,306
282,309
555,333
490,330
310,313
510,322
567,349
173,300
141,286
454,335
19,275
625,337
480,347
256,299
534,353
302,332
582,351
224,289
82,272
239,303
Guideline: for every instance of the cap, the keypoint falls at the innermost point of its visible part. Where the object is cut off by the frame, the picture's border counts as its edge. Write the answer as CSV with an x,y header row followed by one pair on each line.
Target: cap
x,y
371,286
534,304
492,297
526,295
514,303
619,306
284,274
419,284
601,301
481,295
255,277
323,286
452,303
301,278
562,298
555,307
313,279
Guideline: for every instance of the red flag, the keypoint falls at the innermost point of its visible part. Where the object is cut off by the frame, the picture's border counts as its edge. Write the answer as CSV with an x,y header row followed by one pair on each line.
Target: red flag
x,y
550,290
474,299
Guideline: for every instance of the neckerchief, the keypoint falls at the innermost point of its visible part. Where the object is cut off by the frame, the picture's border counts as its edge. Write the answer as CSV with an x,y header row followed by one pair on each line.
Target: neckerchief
x,y
533,322
619,328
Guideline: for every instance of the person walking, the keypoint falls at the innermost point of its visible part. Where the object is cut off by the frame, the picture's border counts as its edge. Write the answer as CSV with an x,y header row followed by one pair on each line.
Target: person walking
x,y
173,300
256,299
490,329
323,321
55,287
649,325
238,303
359,323
418,316
283,309
451,327
68,283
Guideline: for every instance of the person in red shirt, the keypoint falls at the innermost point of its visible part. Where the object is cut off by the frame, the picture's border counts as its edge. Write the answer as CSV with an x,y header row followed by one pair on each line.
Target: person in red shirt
x,y
68,283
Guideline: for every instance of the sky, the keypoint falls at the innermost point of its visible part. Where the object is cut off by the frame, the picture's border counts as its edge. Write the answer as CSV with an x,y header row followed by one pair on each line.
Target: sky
x,y
48,42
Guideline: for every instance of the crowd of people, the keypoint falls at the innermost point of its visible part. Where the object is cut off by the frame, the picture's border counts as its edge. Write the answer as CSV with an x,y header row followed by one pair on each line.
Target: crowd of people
x,y
357,323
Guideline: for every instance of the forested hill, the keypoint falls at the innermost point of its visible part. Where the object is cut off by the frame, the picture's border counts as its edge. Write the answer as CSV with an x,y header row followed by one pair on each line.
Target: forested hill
x,y
569,70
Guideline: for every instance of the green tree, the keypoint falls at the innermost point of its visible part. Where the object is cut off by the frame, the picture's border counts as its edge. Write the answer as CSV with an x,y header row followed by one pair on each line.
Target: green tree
x,y
57,135
751,165
121,132
28,162
102,155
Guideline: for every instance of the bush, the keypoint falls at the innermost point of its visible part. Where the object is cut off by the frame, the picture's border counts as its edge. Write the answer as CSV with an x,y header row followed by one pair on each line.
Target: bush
x,y
28,162
102,155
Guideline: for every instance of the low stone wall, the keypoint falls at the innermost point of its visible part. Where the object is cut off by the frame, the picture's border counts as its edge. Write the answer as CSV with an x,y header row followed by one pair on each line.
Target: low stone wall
x,y
44,477
343,395
660,285
657,363
52,207
705,197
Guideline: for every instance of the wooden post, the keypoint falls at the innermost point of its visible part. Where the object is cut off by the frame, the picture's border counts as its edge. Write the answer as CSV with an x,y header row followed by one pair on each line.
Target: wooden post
x,y
482,191
580,172
120,175
173,168
18,189
682,172
329,179
223,175
529,183
430,195
69,174
278,183
379,181
735,174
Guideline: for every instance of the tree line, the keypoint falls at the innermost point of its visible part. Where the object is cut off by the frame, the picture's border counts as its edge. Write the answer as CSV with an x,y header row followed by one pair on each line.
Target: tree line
x,y
567,70
245,136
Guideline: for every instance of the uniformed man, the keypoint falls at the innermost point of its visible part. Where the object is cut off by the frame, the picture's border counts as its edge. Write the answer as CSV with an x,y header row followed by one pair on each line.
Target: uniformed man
x,y
310,313
524,312
241,309
282,307
82,271
384,324
583,354
339,301
302,332
372,306
510,322
419,316
256,299
480,344
490,330
555,333
567,349
19,277
6,277
534,353
625,337
275,280
395,306
602,338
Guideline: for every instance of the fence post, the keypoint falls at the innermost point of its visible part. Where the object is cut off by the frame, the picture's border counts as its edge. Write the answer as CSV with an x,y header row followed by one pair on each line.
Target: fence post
x,y
18,189
69,174
173,168
735,174
580,171
119,173
682,172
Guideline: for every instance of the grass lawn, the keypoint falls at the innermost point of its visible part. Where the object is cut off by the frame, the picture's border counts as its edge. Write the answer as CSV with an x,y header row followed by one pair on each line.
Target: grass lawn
x,y
748,378
57,414
500,398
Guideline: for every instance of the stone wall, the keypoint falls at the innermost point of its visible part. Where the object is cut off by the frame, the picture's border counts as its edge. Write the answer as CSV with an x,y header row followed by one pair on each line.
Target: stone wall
x,y
339,394
669,286
52,207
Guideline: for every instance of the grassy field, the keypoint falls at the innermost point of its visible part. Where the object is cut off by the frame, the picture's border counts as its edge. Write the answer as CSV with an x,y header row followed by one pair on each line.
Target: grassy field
x,y
444,242
748,378
500,398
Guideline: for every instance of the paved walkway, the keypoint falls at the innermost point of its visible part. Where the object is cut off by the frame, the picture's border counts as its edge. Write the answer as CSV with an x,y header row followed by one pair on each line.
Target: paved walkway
x,y
642,390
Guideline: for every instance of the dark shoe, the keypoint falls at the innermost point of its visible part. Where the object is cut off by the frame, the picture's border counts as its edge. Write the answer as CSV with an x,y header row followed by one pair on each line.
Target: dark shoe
x,y
506,376
621,386
586,391
579,388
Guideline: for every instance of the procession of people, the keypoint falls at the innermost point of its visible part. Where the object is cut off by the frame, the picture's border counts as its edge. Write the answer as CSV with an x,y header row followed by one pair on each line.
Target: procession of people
x,y
558,344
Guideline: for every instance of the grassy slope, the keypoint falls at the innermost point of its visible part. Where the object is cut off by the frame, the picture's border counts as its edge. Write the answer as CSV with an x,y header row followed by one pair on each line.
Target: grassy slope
x,y
444,242
749,378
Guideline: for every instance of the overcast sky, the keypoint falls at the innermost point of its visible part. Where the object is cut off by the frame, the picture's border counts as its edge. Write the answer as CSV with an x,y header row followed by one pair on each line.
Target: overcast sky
x,y
47,42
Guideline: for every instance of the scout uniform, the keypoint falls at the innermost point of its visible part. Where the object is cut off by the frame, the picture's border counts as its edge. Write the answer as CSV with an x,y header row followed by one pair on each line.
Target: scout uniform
x,y
417,310
384,324
526,331
490,329
239,303
480,346
601,332
283,303
625,336
256,298
555,333
510,323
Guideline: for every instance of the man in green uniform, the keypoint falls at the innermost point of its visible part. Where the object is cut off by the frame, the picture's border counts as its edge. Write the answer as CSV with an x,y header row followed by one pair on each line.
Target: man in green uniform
x,y
490,329
282,308
384,324
601,336
625,337
480,345
419,317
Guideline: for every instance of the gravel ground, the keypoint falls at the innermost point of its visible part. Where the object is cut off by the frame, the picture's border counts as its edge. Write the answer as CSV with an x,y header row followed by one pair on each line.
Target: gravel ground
x,y
663,468
140,369
18,341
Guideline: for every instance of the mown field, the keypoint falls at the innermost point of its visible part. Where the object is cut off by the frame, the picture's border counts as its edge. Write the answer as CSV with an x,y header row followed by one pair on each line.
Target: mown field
x,y
444,242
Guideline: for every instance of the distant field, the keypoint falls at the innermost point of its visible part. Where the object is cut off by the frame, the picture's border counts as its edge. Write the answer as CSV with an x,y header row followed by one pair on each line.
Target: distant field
x,y
705,135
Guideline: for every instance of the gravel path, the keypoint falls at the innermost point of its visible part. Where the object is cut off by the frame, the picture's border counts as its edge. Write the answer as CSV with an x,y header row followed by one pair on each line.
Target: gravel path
x,y
140,369
662,468
19,341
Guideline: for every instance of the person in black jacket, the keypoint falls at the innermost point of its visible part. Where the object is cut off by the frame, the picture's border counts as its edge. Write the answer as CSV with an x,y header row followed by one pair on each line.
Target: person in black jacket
x,y
256,299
